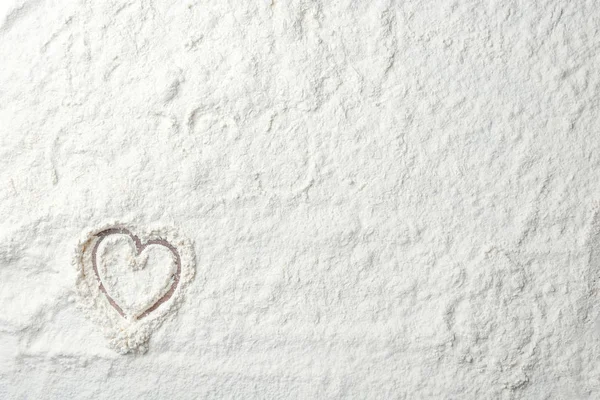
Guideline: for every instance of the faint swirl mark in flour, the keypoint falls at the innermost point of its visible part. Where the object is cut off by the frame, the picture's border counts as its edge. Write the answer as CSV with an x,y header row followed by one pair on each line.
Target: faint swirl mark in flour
x,y
275,154
139,248
215,165
284,153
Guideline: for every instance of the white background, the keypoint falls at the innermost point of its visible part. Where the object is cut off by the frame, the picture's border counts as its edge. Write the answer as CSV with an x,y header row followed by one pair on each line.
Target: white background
x,y
387,199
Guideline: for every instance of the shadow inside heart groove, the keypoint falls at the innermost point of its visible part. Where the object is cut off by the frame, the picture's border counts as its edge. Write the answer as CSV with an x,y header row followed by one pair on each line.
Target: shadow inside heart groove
x,y
139,248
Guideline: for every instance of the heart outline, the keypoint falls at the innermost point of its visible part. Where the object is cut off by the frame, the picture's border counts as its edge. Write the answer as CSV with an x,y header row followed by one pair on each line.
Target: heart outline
x,y
139,248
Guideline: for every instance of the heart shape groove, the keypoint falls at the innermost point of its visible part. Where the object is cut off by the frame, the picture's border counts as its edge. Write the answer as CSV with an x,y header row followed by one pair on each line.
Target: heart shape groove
x,y
139,247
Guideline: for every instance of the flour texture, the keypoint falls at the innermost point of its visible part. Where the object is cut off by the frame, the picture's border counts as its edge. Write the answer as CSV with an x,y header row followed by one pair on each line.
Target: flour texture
x,y
375,199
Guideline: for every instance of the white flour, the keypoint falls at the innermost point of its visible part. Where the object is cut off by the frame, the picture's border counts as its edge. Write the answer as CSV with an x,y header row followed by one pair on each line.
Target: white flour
x,y
385,199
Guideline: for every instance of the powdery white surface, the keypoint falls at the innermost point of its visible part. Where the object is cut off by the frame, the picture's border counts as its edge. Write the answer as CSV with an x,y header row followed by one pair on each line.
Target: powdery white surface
x,y
387,199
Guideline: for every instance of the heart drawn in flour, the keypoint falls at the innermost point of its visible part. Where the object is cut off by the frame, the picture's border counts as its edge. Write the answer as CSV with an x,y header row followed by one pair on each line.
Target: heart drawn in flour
x,y
131,278
135,277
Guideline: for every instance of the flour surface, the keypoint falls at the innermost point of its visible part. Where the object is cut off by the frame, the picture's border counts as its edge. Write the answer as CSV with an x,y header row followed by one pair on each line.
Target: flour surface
x,y
381,199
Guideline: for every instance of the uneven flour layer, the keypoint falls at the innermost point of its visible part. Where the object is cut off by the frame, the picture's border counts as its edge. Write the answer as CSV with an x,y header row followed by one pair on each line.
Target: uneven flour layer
x,y
384,199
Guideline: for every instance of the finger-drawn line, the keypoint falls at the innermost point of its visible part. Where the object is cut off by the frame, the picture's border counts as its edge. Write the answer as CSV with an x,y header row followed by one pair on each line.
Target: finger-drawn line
x,y
139,248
